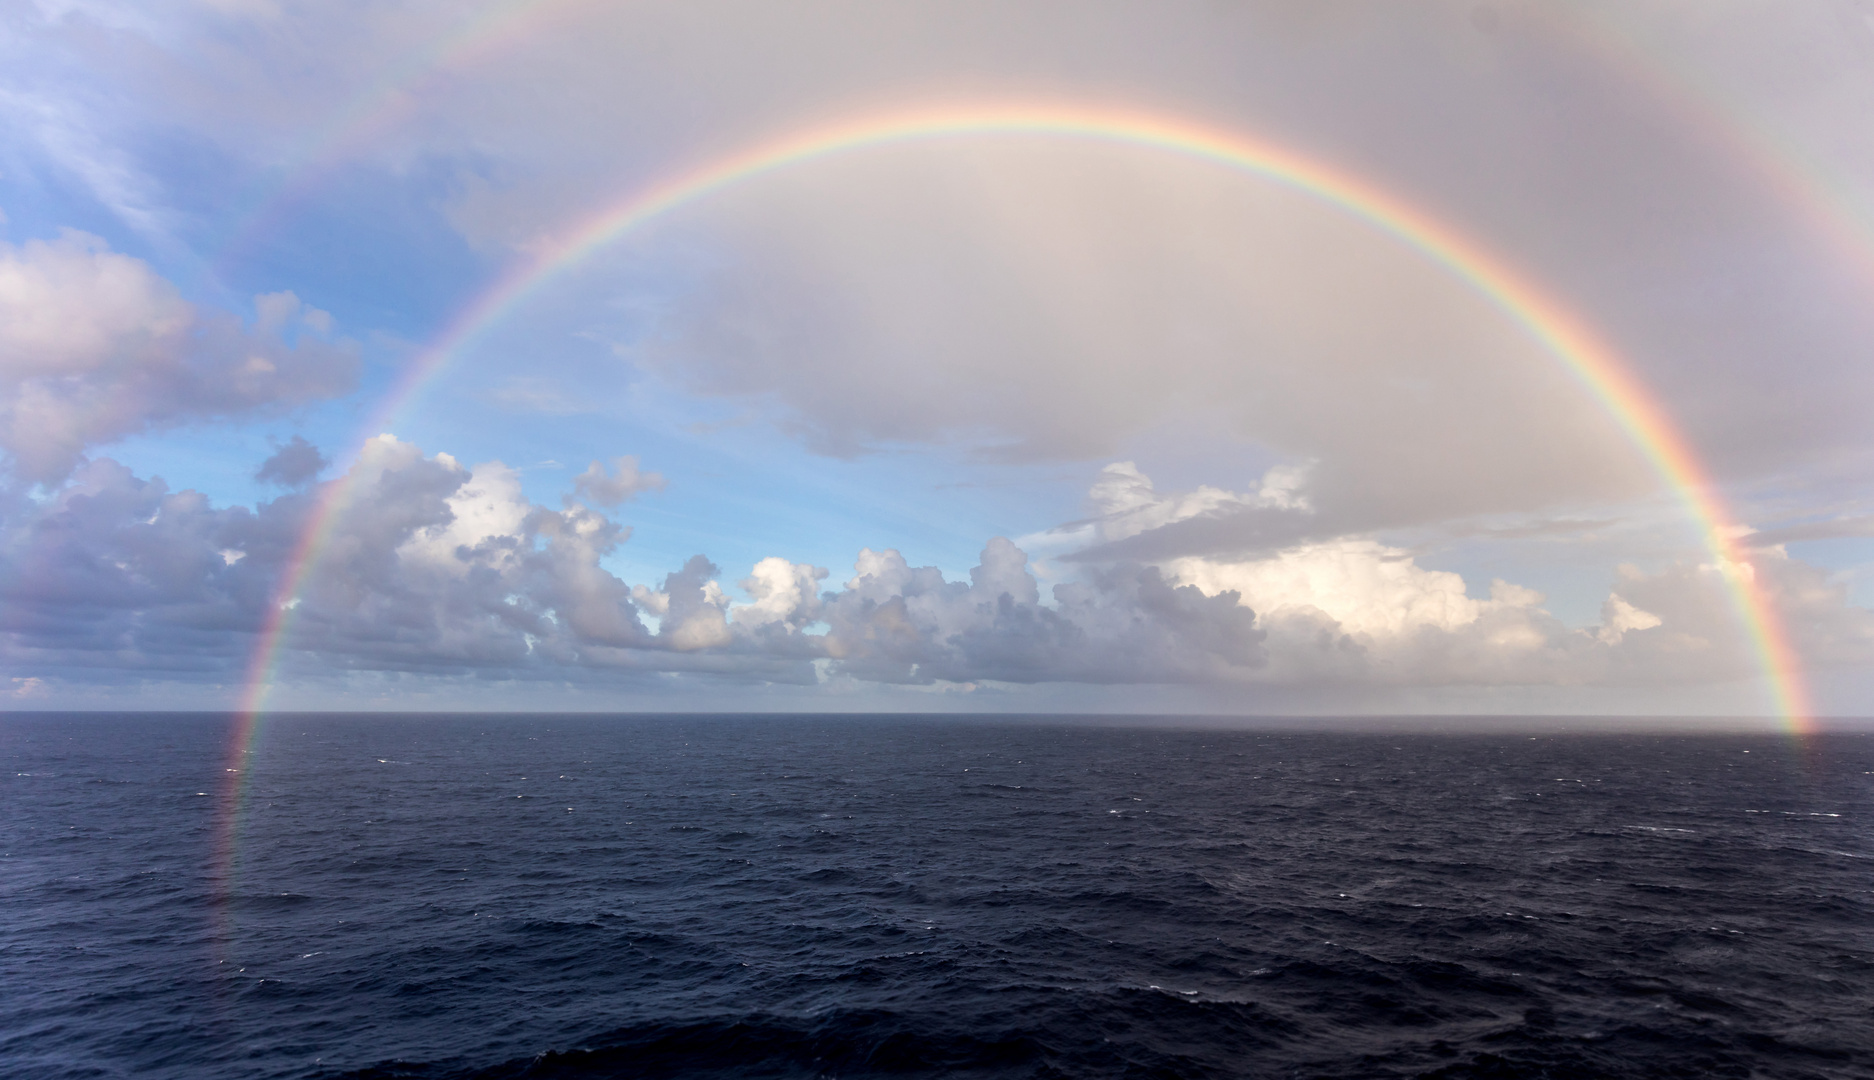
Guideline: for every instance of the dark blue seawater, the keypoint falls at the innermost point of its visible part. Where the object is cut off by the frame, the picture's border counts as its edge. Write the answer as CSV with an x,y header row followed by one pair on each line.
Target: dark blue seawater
x,y
794,896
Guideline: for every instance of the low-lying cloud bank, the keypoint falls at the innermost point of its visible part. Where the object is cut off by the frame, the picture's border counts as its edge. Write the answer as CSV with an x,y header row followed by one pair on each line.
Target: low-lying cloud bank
x,y
432,567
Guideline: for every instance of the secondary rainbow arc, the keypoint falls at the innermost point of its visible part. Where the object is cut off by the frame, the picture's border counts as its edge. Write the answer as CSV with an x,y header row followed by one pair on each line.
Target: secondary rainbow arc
x,y
1565,335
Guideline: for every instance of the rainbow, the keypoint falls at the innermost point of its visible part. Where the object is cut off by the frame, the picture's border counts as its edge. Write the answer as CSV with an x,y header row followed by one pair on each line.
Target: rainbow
x,y
1832,213
1597,366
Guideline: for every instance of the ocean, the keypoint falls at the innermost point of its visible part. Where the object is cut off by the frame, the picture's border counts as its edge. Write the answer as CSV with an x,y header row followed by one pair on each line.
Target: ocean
x,y
795,896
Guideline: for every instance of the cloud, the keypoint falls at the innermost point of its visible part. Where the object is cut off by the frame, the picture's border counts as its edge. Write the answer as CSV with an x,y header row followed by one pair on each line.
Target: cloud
x,y
95,346
624,482
1028,299
838,286
784,593
1133,520
431,567
1618,616
1055,300
428,566
118,575
66,129
1361,584
896,623
1038,298
695,607
1840,528
1694,603
292,464
1351,610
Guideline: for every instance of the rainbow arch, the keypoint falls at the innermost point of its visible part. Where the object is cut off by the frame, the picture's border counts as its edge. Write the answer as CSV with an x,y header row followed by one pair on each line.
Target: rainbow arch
x,y
1591,359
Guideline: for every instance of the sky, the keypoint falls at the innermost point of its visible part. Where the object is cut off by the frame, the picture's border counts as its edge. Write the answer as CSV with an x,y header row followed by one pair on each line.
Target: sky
x,y
1185,357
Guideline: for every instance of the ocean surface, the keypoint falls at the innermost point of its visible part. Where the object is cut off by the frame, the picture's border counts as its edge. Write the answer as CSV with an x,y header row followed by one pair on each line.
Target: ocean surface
x,y
788,896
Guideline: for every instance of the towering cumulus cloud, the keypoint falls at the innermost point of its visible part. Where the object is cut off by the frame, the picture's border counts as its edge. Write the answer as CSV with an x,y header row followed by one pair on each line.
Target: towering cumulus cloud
x,y
95,346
